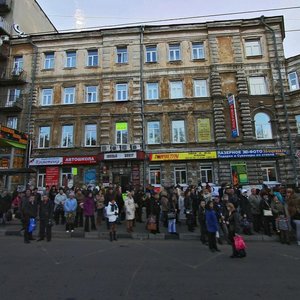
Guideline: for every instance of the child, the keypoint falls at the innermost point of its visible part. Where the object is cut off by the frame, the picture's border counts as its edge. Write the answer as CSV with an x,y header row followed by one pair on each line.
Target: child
x,y
282,226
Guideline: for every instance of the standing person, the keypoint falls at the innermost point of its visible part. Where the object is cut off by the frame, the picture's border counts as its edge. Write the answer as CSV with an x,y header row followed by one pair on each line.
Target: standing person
x,y
212,226
29,211
202,222
254,200
52,193
164,201
267,211
70,207
293,208
172,214
89,212
120,203
155,210
99,198
79,210
188,206
129,211
233,223
45,216
59,202
195,205
112,212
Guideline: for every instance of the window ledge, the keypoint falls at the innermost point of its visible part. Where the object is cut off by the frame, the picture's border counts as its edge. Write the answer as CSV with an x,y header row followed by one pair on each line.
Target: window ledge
x,y
69,68
175,62
254,56
198,59
151,62
46,70
92,67
121,64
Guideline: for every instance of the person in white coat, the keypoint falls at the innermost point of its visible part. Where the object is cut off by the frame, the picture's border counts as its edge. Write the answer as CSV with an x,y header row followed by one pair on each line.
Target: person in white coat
x,y
112,212
129,211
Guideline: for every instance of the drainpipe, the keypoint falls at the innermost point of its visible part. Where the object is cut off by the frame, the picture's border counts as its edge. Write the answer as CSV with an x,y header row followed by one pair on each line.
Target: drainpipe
x,y
282,93
142,28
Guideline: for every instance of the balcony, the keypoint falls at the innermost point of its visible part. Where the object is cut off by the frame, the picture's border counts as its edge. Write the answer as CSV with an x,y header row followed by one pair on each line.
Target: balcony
x,y
11,105
5,6
5,27
12,76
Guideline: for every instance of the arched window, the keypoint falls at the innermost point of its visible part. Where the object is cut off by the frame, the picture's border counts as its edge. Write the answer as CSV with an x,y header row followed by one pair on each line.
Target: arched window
x,y
263,129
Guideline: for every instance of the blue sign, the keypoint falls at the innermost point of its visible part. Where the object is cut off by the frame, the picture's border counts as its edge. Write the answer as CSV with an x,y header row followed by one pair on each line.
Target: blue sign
x,y
90,176
251,153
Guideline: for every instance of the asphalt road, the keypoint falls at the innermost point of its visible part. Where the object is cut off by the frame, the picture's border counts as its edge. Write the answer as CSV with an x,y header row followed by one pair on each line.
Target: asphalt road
x,y
80,269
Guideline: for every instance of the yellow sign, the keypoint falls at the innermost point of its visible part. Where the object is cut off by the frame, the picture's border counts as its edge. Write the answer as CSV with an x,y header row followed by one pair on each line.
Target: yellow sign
x,y
121,126
183,156
204,133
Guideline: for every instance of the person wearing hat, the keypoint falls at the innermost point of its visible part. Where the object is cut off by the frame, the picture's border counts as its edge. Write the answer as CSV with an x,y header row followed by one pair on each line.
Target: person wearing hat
x,y
129,211
70,207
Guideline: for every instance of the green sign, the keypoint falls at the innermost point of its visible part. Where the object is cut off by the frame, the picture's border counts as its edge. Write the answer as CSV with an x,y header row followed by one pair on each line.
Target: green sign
x,y
239,173
121,126
74,171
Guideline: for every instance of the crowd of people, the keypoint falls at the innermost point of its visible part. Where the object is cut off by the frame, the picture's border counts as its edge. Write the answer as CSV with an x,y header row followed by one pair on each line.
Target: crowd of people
x,y
219,216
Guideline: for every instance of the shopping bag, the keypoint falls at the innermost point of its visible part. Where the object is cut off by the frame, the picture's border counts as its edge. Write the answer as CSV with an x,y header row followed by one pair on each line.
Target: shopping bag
x,y
239,243
31,225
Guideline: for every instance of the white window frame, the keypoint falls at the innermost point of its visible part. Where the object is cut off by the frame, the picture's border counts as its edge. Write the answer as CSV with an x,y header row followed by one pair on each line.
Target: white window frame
x,y
18,64
253,47
200,88
13,95
122,136
48,60
176,89
297,118
122,55
121,92
44,132
258,85
204,173
41,178
265,167
263,131
91,94
12,122
66,172
90,135
154,175
198,50
177,126
69,95
92,58
46,97
152,91
151,54
69,136
293,81
180,170
153,132
71,57
174,52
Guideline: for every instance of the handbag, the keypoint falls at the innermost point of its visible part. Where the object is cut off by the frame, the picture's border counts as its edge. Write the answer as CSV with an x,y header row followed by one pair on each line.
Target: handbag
x,y
171,215
239,242
267,213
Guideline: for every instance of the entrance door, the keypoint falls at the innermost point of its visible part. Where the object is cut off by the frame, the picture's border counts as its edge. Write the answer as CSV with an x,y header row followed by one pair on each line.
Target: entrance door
x,y
124,182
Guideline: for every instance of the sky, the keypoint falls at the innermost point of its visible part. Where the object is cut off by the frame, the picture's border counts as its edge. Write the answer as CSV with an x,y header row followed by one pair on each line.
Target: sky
x,y
80,14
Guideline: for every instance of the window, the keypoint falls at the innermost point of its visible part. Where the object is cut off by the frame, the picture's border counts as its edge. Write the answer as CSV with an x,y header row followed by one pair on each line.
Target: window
x,y
121,91
174,52
298,123
206,173
152,90
176,89
122,55
12,122
66,177
258,85
69,95
263,130
91,94
151,53
71,59
153,132
18,65
178,131
154,175
180,175
253,47
47,97
121,133
92,59
269,172
90,135
13,96
197,51
44,137
293,81
41,178
200,88
49,60
67,136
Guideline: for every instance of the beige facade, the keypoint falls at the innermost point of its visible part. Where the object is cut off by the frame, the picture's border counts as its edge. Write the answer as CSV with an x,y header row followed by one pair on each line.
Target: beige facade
x,y
150,104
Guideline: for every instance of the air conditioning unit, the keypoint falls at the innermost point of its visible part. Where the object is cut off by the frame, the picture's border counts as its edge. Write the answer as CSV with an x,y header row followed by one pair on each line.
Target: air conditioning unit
x,y
115,148
125,147
136,147
105,148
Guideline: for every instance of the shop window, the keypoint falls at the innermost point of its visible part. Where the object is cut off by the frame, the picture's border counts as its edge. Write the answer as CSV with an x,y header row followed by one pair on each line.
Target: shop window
x,y
121,133
178,131
180,175
269,172
206,173
153,132
12,122
154,175
263,129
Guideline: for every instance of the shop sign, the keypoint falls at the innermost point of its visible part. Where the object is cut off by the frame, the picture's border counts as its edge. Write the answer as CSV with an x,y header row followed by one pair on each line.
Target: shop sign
x,y
233,116
204,130
183,156
90,176
125,155
45,161
13,135
239,173
80,160
121,126
52,176
251,153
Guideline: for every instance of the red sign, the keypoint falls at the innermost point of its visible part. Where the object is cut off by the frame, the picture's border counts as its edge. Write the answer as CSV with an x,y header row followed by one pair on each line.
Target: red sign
x,y
233,117
80,160
52,175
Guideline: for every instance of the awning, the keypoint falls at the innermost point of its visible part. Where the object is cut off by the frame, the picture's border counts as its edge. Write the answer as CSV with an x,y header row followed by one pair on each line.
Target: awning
x,y
16,171
12,143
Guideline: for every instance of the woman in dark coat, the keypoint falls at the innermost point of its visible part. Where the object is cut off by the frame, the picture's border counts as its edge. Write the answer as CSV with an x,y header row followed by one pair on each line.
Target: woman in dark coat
x,y
212,226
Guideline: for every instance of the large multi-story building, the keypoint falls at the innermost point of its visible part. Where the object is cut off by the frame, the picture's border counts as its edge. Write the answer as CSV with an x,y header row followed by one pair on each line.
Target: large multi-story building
x,y
162,105
17,19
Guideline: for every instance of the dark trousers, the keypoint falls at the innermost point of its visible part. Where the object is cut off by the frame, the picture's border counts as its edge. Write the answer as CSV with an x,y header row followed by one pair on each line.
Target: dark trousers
x,y
69,226
257,222
45,228
79,218
59,214
231,239
268,224
203,233
87,223
212,242
190,222
138,214
27,234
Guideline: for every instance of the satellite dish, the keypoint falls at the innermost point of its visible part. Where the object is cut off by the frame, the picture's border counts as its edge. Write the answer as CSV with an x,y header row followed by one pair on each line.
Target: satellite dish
x,y
17,29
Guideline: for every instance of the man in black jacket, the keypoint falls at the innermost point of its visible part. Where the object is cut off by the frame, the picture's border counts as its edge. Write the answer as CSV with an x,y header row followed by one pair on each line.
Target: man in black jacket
x,y
45,215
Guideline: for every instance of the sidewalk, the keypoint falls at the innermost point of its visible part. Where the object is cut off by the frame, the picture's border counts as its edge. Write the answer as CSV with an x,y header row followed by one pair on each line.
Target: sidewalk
x,y
140,233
